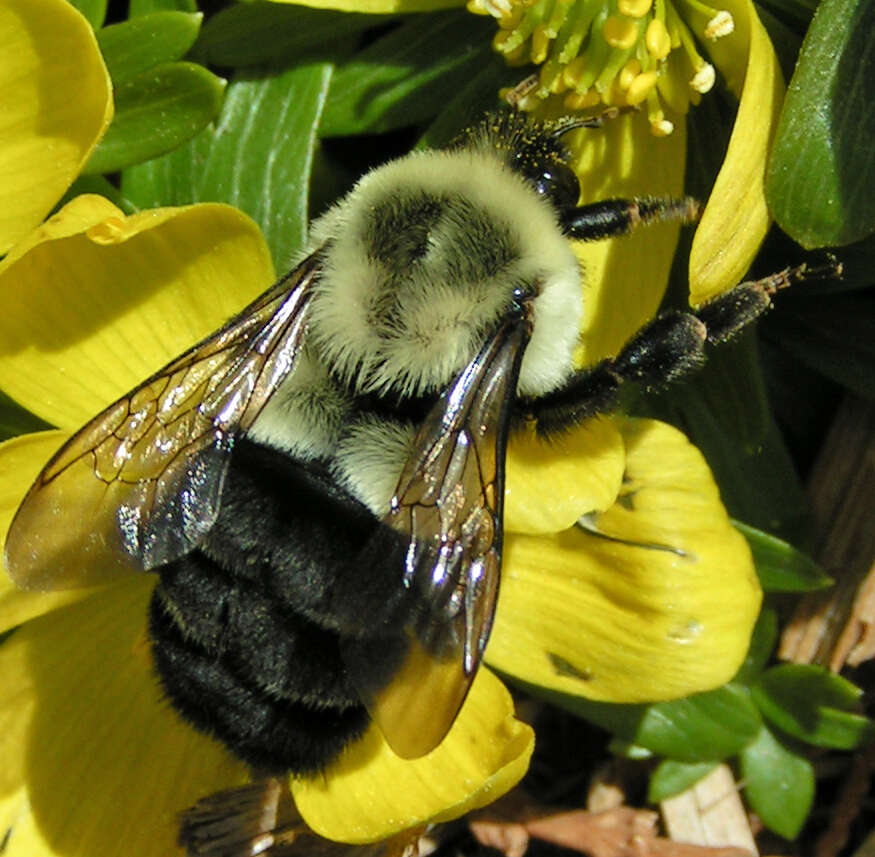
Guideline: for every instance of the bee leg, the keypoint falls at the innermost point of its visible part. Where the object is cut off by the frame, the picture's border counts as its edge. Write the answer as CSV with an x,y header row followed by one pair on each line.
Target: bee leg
x,y
669,347
612,217
252,819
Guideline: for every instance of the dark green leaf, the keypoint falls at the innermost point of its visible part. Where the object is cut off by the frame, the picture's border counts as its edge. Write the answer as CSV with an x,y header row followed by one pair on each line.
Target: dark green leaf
x,y
156,112
263,33
778,783
671,778
724,411
813,705
257,157
93,10
798,12
101,186
703,727
822,172
784,38
141,43
762,642
402,78
625,750
834,334
476,97
146,7
780,567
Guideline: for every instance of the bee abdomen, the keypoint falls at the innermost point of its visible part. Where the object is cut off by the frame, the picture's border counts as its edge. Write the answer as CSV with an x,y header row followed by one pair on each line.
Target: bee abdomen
x,y
247,630
275,713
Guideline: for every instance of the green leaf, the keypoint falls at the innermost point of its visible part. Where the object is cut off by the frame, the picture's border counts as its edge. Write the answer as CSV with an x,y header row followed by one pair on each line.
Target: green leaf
x,y
477,96
156,112
93,10
780,567
821,172
778,784
834,334
813,705
258,157
402,78
101,186
146,7
762,642
625,750
262,33
703,727
137,45
671,778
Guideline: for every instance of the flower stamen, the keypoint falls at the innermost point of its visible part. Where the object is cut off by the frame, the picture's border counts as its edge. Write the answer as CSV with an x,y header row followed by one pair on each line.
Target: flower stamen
x,y
620,53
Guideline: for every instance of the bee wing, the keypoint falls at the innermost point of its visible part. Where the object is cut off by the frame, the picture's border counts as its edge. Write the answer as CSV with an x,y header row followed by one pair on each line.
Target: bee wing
x,y
447,512
140,484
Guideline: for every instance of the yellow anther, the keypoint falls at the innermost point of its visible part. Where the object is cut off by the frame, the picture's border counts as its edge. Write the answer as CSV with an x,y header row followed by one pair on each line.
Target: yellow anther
x,y
704,78
540,45
511,20
613,96
628,73
661,128
620,32
500,39
581,100
657,40
634,8
573,72
722,24
640,87
550,77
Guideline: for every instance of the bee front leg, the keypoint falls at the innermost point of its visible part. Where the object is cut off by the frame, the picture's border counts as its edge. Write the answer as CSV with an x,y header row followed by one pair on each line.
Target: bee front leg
x,y
668,348
610,218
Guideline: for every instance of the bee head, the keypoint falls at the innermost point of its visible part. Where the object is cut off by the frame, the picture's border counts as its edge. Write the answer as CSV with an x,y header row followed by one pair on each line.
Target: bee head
x,y
534,150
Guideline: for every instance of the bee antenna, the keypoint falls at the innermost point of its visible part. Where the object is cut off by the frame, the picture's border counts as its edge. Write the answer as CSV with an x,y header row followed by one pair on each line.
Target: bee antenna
x,y
571,123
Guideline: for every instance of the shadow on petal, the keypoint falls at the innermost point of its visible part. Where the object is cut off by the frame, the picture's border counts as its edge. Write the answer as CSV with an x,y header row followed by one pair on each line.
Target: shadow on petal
x,y
106,763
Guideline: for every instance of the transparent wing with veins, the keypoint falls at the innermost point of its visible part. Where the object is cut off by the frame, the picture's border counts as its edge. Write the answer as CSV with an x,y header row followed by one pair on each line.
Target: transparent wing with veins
x,y
140,484
448,509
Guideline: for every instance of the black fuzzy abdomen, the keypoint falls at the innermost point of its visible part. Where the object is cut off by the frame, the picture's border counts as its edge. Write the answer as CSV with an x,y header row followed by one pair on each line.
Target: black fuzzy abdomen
x,y
246,630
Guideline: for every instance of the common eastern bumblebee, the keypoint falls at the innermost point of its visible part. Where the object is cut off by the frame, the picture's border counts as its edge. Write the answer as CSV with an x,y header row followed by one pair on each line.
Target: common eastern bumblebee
x,y
319,484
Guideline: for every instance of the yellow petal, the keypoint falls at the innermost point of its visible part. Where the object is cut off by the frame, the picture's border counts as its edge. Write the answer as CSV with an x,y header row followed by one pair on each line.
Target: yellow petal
x,y
20,460
105,763
660,608
736,219
625,278
378,7
57,103
370,793
551,483
94,301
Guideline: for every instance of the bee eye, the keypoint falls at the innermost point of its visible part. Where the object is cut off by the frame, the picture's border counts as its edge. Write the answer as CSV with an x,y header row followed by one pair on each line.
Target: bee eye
x,y
521,296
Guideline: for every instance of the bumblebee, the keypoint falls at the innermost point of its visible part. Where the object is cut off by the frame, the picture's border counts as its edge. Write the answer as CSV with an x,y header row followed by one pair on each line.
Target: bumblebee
x,y
319,483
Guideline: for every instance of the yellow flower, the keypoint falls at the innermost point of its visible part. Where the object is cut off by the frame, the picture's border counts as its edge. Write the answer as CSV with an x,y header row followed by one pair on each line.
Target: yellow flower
x,y
75,342
629,607
648,53
648,594
57,103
